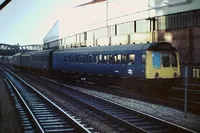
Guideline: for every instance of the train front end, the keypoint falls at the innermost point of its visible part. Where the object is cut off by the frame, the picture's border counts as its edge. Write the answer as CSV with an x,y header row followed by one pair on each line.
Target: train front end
x,y
162,65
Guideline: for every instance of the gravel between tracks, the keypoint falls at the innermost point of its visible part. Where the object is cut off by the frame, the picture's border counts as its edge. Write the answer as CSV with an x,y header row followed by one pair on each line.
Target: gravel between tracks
x,y
169,114
75,109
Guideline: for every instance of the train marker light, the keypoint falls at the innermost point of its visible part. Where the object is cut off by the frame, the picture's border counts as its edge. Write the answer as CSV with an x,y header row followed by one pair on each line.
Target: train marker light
x,y
157,75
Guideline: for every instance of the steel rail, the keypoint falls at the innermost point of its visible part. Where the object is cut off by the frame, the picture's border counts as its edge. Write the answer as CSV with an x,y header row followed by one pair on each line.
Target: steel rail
x,y
168,124
78,126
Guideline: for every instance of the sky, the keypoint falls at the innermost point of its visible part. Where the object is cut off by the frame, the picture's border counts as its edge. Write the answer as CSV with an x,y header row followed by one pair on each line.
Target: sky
x,y
28,21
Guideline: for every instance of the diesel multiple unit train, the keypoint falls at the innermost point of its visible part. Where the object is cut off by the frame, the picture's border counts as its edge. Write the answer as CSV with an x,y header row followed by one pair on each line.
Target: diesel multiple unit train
x,y
152,63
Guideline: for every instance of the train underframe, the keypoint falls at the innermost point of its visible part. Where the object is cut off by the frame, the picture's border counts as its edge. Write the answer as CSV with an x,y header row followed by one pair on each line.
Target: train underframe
x,y
156,86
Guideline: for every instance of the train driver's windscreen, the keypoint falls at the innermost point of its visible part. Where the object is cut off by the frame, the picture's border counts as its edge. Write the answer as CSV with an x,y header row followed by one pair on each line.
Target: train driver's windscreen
x,y
165,59
156,59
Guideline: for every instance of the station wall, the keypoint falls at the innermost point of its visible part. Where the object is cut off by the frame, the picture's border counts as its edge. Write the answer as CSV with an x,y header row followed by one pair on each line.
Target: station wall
x,y
175,21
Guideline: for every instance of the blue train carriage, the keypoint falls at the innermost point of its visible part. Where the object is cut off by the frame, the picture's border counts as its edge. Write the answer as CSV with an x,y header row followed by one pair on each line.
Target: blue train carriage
x,y
16,59
120,64
99,62
25,61
41,61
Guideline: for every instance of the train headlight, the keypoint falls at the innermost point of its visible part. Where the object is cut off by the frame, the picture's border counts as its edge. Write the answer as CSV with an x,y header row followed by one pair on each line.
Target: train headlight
x,y
175,75
157,75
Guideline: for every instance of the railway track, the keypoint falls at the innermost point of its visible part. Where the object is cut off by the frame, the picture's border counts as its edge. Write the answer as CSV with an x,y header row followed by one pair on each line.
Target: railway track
x,y
176,99
124,119
37,112
193,95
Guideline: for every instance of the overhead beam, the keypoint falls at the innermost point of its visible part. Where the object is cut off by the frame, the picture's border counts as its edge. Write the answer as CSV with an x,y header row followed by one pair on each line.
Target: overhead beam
x,y
92,2
4,4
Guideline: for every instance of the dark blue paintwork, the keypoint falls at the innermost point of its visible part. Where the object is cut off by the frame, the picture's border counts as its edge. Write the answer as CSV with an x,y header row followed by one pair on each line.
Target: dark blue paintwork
x,y
40,60
123,70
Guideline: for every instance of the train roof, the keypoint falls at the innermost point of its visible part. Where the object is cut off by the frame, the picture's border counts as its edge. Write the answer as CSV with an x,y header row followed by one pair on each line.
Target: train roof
x,y
35,52
108,48
127,47
26,53
41,52
17,54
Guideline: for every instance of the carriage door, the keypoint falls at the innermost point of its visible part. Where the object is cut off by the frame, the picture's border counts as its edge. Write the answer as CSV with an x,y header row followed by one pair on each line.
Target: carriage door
x,y
143,64
130,64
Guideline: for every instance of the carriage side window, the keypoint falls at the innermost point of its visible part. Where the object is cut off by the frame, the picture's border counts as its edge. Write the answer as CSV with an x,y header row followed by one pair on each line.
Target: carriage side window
x,y
104,59
108,59
165,60
143,58
156,59
85,58
100,58
73,58
69,59
174,60
90,58
119,59
115,59
131,59
81,58
95,59
124,59
111,59
65,59
77,58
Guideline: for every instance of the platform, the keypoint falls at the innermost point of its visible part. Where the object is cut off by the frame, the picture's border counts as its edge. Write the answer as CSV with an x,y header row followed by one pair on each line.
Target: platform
x,y
9,118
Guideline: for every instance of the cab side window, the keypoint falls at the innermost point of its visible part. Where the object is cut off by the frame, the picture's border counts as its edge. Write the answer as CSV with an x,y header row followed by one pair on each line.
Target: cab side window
x,y
143,58
174,60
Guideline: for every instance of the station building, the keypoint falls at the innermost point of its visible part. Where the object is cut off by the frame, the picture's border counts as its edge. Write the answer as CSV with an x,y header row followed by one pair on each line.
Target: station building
x,y
119,22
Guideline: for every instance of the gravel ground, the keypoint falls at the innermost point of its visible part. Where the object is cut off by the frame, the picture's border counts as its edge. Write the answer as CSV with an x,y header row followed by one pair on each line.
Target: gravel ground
x,y
9,118
81,114
169,114
74,108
